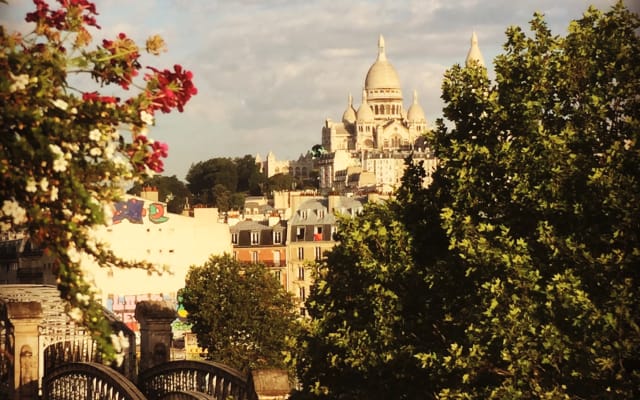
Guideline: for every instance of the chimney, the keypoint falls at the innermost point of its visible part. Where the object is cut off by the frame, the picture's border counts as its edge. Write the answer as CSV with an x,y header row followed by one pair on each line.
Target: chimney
x,y
150,193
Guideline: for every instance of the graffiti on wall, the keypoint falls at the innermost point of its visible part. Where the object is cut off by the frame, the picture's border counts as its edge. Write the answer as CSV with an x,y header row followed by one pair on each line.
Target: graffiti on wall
x,y
134,211
124,306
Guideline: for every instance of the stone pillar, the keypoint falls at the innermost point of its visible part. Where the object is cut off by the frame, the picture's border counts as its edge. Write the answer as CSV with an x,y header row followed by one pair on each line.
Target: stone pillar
x,y
25,317
155,318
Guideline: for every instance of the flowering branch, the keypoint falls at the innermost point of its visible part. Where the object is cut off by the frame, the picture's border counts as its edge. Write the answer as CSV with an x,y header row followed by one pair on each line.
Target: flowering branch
x,y
63,159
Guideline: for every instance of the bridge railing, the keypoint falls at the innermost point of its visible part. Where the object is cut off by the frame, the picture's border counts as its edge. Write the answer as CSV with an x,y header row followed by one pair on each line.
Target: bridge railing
x,y
88,380
213,379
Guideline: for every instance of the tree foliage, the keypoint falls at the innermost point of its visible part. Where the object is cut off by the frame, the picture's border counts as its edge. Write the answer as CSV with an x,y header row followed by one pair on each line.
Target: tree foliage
x,y
68,146
203,177
238,175
170,190
517,274
250,179
240,313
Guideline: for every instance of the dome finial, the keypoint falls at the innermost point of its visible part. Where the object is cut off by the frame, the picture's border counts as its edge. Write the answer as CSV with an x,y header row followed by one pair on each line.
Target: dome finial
x,y
350,100
381,54
415,96
474,53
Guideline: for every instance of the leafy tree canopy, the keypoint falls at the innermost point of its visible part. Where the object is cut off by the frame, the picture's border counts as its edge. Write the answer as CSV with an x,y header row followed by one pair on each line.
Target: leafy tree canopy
x,y
240,313
515,274
203,176
250,179
280,182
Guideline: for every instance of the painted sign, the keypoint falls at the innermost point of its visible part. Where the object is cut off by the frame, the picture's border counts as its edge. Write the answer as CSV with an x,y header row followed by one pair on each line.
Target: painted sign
x,y
124,306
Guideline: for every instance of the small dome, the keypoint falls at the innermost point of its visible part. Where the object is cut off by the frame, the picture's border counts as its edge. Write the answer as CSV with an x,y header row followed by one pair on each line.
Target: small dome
x,y
349,116
365,113
382,75
415,113
474,53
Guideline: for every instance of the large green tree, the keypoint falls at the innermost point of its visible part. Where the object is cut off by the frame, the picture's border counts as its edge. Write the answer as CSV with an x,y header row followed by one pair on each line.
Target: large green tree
x,y
240,313
517,274
203,177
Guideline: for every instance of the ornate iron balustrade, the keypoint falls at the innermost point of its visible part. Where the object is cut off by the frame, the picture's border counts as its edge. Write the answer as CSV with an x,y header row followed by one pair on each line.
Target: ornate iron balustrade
x,y
187,395
80,381
216,380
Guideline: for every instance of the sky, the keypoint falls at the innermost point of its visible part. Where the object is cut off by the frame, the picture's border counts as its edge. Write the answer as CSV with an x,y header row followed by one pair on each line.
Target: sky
x,y
270,72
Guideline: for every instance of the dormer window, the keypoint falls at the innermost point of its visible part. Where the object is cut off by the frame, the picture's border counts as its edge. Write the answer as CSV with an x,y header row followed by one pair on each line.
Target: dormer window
x,y
255,238
234,238
303,214
321,213
277,237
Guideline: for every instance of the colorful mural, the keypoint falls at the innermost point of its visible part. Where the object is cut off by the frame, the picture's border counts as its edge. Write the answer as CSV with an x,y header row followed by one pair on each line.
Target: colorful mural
x,y
134,211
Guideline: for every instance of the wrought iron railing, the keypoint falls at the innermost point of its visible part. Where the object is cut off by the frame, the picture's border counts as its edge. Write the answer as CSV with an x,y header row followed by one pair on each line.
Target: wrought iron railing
x,y
81,381
217,380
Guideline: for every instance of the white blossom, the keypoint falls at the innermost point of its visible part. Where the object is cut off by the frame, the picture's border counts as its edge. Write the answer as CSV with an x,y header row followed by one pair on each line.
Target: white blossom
x,y
44,184
83,298
110,150
107,211
628,143
55,149
54,194
120,345
73,254
20,82
11,208
146,117
76,314
95,151
61,104
60,165
31,185
95,135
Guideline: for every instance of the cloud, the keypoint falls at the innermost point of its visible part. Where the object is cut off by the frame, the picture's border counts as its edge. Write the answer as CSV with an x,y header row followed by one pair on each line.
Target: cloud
x,y
270,72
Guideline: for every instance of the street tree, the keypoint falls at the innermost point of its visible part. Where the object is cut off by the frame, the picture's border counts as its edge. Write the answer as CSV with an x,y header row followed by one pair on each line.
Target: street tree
x,y
515,274
543,170
240,313
68,145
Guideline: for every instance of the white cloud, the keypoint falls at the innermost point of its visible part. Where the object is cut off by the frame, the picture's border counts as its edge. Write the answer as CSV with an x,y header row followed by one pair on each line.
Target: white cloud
x,y
269,73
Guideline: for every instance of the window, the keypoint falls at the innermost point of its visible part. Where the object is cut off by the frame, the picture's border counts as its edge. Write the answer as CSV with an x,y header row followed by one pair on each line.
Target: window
x,y
255,238
303,293
317,233
234,238
300,253
254,256
277,275
277,237
276,258
301,273
303,311
300,232
321,213
318,253
235,255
